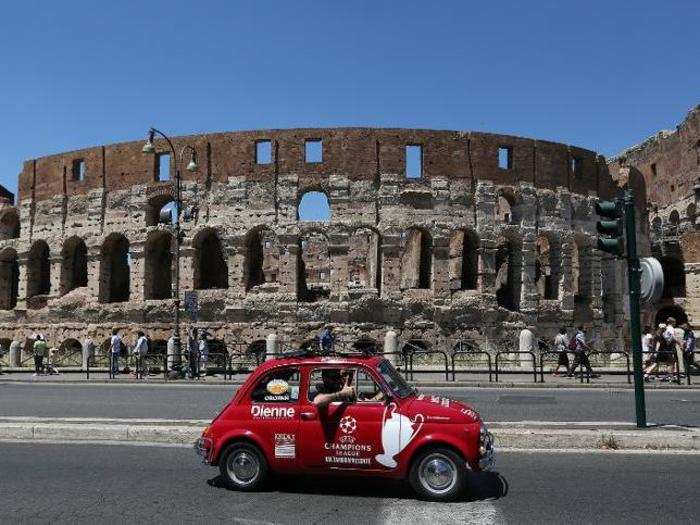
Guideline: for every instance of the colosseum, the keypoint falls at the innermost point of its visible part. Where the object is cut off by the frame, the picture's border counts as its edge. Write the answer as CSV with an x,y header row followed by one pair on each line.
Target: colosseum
x,y
475,237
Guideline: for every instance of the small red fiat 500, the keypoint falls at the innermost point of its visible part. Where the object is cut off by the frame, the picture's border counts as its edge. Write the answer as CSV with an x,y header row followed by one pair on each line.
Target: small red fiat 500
x,y
349,414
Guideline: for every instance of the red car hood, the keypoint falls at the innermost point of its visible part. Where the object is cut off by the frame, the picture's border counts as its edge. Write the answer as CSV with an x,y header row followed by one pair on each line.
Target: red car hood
x,y
438,409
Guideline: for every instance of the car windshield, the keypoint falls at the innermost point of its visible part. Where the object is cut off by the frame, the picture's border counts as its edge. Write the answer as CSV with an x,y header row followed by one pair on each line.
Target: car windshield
x,y
393,379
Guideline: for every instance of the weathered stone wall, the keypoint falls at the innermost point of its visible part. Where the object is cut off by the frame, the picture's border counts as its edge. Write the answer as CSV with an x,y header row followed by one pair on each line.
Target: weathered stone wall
x,y
668,165
456,252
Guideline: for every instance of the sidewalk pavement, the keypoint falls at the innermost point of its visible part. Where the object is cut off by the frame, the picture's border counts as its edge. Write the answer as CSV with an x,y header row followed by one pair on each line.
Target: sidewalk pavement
x,y
421,380
527,435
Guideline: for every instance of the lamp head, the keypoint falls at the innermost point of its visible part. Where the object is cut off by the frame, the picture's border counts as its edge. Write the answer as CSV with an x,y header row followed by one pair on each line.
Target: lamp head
x,y
148,147
192,164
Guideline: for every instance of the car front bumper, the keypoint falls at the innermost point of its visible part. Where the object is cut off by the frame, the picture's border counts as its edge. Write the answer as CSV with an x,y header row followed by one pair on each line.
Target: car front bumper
x,y
204,447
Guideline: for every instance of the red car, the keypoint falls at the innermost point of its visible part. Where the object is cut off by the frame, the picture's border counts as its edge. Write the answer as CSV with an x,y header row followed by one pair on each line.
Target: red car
x,y
345,414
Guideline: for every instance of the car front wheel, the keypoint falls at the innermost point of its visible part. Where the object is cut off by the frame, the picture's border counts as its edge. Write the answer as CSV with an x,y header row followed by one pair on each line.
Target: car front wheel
x,y
438,474
243,467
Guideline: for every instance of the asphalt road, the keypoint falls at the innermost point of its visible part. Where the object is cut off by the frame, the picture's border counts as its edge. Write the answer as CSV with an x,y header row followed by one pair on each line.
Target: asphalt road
x,y
103,483
202,402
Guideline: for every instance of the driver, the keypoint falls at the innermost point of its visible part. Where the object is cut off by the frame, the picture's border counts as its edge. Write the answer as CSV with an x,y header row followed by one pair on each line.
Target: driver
x,y
336,386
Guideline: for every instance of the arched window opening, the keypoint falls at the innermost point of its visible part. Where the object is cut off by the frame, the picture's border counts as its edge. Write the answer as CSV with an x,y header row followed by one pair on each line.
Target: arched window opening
x,y
364,259
315,207
548,267
74,272
38,270
314,266
417,260
415,346
115,280
690,212
9,279
506,209
674,276
674,218
508,279
158,347
671,311
366,346
256,350
464,260
9,225
210,268
160,210
262,258
70,352
159,266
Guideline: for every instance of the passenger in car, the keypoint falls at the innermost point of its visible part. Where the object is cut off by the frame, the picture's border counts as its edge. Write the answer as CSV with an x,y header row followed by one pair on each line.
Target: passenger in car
x,y
336,386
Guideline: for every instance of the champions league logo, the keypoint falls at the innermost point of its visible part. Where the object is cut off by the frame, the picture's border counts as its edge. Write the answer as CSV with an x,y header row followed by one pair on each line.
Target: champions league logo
x,y
348,425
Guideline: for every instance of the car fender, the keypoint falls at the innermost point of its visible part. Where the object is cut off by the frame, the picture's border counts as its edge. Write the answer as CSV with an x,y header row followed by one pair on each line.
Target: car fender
x,y
451,436
237,434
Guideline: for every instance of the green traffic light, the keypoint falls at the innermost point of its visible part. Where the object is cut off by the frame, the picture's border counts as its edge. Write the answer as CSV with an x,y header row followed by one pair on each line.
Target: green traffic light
x,y
610,209
611,245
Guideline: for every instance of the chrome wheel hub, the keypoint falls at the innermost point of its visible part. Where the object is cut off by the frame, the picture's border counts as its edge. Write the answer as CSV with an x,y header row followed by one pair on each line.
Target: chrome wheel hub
x,y
242,467
438,473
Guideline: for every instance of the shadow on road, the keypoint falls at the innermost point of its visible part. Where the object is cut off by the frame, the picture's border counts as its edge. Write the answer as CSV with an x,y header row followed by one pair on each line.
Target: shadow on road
x,y
481,486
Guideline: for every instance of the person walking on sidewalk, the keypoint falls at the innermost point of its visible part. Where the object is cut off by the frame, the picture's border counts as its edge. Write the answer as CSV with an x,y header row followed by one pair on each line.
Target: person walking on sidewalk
x,y
561,346
203,353
689,349
140,353
115,348
192,353
40,350
579,346
648,346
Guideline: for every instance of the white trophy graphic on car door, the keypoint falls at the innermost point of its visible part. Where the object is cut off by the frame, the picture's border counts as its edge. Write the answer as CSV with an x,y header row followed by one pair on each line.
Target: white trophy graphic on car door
x,y
397,432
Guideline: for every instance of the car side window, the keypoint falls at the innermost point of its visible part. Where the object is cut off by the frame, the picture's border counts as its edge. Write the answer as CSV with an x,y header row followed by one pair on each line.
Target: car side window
x,y
277,386
329,381
367,388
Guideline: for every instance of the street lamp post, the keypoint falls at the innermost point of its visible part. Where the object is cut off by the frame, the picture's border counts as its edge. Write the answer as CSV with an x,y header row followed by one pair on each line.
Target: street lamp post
x,y
149,148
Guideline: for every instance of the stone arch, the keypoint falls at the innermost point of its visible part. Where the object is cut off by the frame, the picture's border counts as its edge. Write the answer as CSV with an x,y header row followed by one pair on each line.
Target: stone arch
x,y
9,279
115,271
674,275
155,205
508,265
366,345
506,206
417,259
674,218
674,311
314,267
74,273
690,212
70,347
548,266
9,225
314,206
261,257
158,275
210,268
657,226
257,350
415,344
38,270
364,259
464,260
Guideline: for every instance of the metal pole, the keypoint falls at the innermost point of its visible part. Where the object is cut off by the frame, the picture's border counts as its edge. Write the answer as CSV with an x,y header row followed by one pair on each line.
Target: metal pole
x,y
176,329
633,277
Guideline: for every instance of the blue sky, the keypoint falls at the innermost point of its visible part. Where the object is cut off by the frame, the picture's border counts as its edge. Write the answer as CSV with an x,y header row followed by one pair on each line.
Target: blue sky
x,y
602,75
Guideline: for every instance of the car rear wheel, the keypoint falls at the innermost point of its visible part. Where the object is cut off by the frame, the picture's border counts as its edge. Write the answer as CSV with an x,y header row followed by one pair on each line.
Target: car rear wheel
x,y
243,467
438,474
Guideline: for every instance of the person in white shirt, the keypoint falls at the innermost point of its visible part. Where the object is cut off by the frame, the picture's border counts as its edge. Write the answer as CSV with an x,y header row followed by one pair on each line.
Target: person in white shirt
x,y
648,346
140,351
561,346
115,347
203,353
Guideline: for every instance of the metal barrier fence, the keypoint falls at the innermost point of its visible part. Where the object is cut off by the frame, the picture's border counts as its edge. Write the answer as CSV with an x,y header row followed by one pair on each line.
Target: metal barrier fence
x,y
534,364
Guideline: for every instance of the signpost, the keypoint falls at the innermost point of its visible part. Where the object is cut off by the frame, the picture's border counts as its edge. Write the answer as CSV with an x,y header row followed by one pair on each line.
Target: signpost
x,y
192,304
611,242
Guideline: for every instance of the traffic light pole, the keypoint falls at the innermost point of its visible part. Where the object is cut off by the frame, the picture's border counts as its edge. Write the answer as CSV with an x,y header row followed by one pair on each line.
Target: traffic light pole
x,y
633,278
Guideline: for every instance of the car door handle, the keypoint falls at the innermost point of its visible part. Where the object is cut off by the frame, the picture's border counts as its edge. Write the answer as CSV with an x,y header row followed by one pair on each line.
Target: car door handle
x,y
307,416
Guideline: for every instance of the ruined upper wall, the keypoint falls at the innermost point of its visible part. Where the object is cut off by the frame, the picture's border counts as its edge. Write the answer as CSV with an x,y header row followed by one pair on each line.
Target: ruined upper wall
x,y
358,153
669,161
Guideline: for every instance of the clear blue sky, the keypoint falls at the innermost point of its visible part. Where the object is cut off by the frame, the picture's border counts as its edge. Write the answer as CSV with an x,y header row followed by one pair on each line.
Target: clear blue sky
x,y
602,75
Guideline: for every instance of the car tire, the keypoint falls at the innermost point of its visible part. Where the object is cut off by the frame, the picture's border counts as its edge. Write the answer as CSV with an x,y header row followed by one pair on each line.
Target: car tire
x,y
438,474
243,467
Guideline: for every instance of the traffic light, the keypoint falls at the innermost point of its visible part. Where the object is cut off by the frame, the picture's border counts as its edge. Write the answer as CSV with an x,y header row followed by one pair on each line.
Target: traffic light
x,y
610,227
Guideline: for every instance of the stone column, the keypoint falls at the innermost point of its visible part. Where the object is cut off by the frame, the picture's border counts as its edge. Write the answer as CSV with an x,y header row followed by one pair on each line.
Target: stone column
x,y
271,346
22,291
137,274
441,267
529,294
391,266
56,264
290,251
338,252
391,345
94,271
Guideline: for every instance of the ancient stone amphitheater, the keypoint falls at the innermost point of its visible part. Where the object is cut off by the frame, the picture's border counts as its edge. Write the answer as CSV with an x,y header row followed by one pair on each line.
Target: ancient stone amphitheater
x,y
477,236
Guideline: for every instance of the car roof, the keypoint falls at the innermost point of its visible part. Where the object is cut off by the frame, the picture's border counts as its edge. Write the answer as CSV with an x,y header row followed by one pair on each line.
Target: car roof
x,y
369,360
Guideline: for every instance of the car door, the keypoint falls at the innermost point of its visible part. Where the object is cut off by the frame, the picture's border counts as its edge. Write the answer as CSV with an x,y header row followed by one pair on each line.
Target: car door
x,y
274,415
343,435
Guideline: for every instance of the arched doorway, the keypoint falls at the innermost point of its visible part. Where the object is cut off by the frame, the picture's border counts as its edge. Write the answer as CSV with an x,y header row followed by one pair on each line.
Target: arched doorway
x,y
159,266
9,279
74,272
210,268
115,281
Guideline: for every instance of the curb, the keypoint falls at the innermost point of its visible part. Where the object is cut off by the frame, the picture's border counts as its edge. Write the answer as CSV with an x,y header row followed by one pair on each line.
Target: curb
x,y
543,436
